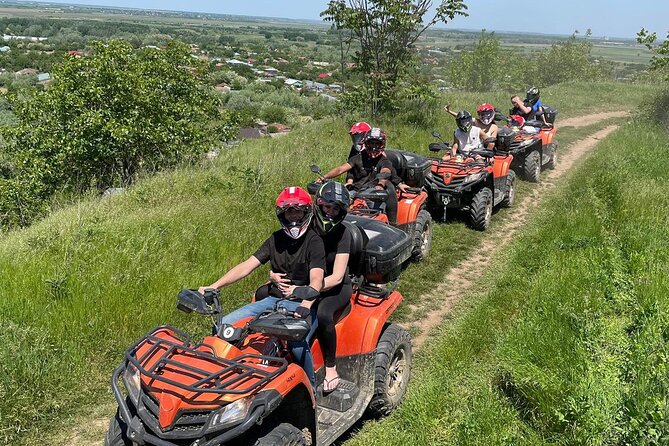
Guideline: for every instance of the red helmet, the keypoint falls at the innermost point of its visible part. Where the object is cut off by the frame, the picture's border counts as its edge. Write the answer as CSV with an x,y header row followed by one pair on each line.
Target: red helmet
x,y
358,132
486,113
375,142
516,121
296,199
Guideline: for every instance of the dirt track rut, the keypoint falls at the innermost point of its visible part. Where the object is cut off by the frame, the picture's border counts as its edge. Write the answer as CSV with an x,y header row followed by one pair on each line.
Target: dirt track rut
x,y
439,302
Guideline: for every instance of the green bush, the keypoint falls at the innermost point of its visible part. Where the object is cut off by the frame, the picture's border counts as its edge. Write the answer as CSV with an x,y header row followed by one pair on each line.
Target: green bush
x,y
274,113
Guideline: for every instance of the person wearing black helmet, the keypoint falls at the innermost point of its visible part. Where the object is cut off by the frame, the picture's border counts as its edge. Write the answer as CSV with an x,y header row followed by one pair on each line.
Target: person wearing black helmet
x,y
466,137
330,207
365,167
530,108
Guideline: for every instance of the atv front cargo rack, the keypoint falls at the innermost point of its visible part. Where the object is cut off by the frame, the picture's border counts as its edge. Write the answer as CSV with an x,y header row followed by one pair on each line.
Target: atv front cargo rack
x,y
160,353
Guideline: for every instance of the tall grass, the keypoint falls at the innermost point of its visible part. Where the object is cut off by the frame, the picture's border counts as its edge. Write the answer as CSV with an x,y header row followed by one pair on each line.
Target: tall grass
x,y
570,344
80,286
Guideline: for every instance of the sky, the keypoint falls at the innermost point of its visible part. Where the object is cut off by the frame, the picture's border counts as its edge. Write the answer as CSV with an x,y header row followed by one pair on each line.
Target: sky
x,y
612,18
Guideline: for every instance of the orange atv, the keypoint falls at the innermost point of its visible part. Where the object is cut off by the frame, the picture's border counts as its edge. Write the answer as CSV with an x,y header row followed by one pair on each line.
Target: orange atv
x,y
474,183
534,146
412,214
241,385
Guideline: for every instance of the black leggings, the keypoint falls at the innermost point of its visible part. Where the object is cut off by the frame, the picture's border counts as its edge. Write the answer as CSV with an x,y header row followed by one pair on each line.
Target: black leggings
x,y
329,304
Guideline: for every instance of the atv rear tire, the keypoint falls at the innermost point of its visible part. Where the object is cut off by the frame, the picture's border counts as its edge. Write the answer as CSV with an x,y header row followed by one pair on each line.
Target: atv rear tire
x,y
422,235
115,436
480,211
285,434
510,195
392,370
532,166
552,162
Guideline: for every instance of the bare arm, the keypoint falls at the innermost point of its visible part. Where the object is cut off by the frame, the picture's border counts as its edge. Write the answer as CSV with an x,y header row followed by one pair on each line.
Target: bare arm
x,y
316,278
338,271
448,110
338,171
524,108
237,273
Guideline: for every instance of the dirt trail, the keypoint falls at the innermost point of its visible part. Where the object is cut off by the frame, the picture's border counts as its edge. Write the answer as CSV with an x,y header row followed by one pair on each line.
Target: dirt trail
x,y
582,121
437,304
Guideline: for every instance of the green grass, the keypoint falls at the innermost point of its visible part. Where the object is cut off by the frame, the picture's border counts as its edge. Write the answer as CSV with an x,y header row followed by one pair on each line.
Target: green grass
x,y
82,285
569,345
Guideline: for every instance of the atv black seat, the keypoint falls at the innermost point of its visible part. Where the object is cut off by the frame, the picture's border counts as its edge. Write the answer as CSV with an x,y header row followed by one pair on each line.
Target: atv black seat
x,y
358,243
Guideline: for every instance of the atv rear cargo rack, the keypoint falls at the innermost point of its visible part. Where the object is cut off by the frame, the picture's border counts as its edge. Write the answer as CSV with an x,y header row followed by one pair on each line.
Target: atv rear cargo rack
x,y
230,371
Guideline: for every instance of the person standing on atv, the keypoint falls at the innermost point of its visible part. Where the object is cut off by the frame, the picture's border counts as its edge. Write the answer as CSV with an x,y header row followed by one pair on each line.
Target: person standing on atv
x,y
466,137
330,208
297,252
366,165
530,108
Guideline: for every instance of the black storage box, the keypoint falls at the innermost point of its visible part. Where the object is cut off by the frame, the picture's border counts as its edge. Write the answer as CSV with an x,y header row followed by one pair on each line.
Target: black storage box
x,y
550,113
378,250
412,168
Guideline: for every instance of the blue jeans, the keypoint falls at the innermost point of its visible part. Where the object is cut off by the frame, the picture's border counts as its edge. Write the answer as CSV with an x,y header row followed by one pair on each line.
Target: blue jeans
x,y
300,349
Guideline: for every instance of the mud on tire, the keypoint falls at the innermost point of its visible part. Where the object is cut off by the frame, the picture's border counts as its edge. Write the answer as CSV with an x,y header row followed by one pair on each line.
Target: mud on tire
x,y
392,370
422,235
510,195
480,211
532,166
285,434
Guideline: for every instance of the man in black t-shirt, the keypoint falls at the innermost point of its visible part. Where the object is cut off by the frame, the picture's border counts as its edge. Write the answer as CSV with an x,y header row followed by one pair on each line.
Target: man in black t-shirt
x,y
298,252
364,167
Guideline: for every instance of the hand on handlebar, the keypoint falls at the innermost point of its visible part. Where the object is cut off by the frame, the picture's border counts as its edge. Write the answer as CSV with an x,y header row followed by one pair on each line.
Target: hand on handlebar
x,y
403,187
302,312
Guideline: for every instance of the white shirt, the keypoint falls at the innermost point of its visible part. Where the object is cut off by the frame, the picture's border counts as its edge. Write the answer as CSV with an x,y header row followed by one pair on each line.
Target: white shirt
x,y
468,141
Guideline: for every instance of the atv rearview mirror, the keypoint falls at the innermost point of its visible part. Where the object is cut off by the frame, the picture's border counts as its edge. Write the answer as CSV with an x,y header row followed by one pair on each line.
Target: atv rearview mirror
x,y
190,300
315,169
436,134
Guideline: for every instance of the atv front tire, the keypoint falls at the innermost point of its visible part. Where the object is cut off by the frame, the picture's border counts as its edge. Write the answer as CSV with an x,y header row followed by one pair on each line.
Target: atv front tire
x,y
284,434
115,436
422,235
532,166
510,195
392,370
480,211
552,162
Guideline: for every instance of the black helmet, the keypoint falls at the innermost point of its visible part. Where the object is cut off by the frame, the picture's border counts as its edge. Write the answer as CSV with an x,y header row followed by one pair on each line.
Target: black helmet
x,y
332,194
464,121
532,95
504,137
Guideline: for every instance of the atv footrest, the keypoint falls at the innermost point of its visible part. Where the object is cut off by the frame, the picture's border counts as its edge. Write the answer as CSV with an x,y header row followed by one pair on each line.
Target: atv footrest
x,y
341,399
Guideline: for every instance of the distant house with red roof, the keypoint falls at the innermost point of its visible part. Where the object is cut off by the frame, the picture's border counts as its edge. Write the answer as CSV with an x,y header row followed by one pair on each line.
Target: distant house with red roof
x,y
75,53
324,75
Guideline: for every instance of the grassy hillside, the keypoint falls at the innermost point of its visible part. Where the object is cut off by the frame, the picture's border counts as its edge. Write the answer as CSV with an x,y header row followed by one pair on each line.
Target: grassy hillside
x,y
569,345
80,286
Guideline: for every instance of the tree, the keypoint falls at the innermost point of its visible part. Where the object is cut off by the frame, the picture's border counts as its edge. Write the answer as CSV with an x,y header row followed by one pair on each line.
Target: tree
x,y
660,59
384,33
108,116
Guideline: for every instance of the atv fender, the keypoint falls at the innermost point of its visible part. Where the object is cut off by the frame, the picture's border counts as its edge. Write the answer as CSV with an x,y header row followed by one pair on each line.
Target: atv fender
x,y
408,208
360,331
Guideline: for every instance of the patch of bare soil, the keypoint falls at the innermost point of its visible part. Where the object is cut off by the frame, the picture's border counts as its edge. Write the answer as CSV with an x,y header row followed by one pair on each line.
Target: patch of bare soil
x,y
582,121
438,303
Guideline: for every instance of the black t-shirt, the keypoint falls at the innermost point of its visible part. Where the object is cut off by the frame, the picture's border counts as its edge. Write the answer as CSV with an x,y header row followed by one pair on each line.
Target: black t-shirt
x,y
337,241
293,257
364,169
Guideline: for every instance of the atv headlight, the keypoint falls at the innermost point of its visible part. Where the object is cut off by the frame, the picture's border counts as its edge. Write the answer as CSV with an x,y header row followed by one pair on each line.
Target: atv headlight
x,y
231,414
473,177
133,382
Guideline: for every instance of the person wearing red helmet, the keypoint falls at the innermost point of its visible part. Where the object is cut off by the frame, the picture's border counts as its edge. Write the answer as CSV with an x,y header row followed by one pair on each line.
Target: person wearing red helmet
x,y
485,121
297,252
364,167
358,132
